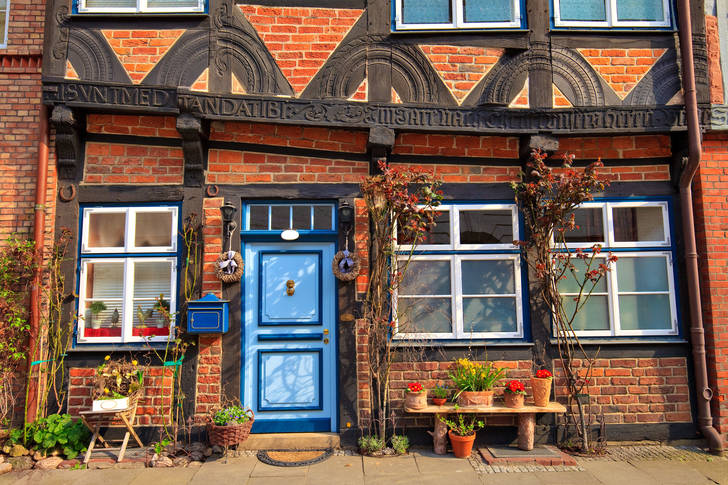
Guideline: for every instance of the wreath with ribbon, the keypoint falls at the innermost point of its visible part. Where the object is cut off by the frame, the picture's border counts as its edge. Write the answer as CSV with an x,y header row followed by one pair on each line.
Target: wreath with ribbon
x,y
346,264
229,267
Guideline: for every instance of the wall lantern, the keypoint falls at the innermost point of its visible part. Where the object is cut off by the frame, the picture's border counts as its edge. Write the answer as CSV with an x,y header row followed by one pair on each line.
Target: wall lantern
x,y
346,214
228,211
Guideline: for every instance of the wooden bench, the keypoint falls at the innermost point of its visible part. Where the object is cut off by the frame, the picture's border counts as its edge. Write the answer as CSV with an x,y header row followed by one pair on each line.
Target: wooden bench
x,y
526,420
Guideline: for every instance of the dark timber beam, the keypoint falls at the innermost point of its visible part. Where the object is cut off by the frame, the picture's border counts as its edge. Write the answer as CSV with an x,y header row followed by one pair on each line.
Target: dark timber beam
x,y
69,150
195,133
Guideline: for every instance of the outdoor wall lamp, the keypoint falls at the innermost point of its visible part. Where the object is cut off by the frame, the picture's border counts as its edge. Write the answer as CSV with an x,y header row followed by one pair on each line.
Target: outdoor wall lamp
x,y
228,211
346,214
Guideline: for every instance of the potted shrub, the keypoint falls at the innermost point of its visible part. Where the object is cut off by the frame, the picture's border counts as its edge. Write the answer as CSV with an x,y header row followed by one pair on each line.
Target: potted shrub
x,y
230,425
92,317
439,395
161,306
462,433
416,396
541,385
475,382
514,394
118,385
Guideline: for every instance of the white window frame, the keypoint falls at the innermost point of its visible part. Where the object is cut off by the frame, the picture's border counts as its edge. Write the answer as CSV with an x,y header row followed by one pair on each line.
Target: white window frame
x,y
5,26
141,7
612,19
657,248
130,229
312,206
128,311
458,19
456,296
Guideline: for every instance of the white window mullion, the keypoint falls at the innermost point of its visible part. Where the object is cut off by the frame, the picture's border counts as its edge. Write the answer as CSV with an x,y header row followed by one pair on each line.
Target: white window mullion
x,y
609,221
519,294
128,308
458,13
457,297
455,227
141,5
613,289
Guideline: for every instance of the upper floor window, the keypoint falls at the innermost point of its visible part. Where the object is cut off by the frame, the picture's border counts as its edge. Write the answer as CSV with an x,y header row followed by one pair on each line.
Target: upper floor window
x,y
4,19
457,14
612,13
128,267
139,6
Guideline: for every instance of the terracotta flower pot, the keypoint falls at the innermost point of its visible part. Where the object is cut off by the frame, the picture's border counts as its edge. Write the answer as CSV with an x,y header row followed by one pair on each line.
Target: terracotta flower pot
x,y
461,445
415,400
541,391
476,398
513,400
439,401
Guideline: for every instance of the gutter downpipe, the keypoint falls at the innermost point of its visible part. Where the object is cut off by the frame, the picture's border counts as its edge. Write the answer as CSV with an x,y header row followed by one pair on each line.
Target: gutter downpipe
x,y
41,185
697,332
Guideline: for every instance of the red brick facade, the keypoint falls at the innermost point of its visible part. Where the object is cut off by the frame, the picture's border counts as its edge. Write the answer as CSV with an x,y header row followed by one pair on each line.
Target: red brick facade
x,y
622,69
111,163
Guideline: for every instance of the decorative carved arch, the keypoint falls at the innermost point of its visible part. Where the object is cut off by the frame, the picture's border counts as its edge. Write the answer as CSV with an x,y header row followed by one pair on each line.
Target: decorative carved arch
x,y
184,62
660,83
576,78
93,59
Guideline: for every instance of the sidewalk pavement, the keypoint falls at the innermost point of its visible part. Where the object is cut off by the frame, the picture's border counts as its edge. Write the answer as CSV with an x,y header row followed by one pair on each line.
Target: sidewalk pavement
x,y
419,467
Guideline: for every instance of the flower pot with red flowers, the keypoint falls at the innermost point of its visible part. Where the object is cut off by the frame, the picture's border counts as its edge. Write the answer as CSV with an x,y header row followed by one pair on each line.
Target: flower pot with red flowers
x,y
439,395
462,434
541,385
514,394
415,397
475,382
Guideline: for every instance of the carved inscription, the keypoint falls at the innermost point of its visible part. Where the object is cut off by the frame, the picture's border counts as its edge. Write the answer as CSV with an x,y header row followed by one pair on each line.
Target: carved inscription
x,y
79,94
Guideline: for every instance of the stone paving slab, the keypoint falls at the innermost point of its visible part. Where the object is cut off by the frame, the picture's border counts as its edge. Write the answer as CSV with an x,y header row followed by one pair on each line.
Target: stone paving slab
x,y
668,473
390,465
714,470
428,463
264,470
337,469
157,476
618,473
219,472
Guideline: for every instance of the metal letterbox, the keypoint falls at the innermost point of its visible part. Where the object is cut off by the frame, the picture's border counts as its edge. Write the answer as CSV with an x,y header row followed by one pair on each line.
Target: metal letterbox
x,y
209,314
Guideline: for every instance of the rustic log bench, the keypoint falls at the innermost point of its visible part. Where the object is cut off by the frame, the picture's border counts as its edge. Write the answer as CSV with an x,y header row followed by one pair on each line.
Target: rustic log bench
x,y
526,420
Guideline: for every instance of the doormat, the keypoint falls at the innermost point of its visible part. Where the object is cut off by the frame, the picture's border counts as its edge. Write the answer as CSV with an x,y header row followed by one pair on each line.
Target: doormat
x,y
293,457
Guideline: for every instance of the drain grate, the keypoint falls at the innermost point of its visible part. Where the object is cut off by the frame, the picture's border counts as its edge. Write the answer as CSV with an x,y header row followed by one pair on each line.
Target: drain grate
x,y
289,458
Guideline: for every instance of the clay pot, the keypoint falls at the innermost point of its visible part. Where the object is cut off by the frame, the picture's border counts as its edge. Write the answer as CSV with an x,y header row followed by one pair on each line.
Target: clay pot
x,y
415,400
513,400
461,445
439,401
541,391
476,398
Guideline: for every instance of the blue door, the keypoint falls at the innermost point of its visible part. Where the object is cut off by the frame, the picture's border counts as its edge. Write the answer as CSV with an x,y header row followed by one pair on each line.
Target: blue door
x,y
289,373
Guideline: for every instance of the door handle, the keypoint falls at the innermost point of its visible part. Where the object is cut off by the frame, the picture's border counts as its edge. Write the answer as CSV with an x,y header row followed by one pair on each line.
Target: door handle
x,y
290,287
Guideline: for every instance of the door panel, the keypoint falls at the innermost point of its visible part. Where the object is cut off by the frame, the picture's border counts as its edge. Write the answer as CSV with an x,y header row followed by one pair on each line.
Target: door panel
x,y
289,373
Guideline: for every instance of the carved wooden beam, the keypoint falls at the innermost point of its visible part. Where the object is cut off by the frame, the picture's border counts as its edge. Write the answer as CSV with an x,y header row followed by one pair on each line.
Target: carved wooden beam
x,y
195,133
69,150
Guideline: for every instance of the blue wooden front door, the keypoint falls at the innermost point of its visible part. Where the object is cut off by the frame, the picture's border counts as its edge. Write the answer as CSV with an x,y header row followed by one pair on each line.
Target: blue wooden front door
x,y
289,373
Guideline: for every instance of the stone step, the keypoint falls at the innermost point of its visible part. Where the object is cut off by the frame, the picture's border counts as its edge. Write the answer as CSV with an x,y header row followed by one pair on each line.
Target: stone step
x,y
291,441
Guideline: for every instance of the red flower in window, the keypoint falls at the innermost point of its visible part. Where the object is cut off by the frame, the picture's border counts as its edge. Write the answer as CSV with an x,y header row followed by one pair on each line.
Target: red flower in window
x,y
415,387
543,374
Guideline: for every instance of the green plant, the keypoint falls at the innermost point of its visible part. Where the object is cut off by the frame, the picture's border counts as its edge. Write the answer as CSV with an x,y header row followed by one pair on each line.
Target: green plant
x,y
231,415
159,446
56,432
97,307
370,444
462,427
118,378
440,392
473,376
400,444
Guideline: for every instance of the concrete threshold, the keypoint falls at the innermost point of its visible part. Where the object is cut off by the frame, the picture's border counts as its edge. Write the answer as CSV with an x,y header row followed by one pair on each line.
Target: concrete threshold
x,y
291,441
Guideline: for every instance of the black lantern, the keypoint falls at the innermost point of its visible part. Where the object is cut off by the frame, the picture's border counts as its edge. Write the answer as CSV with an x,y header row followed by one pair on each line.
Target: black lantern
x,y
228,211
346,214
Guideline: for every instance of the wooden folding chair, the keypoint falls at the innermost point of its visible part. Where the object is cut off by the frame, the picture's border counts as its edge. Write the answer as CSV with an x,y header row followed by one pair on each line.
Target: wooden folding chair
x,y
114,418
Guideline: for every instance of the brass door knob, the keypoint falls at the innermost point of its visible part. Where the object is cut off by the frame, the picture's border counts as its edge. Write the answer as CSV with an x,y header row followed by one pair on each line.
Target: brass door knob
x,y
290,287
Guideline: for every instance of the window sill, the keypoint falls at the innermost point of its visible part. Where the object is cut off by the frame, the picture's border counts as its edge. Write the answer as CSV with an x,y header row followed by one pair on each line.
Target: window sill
x,y
462,343
616,30
479,30
627,340
125,347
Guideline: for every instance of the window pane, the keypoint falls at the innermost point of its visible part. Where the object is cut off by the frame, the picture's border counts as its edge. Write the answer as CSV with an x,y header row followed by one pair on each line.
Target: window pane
x,y
280,217
111,3
426,278
152,279
489,315
2,27
153,229
172,3
644,312
488,10
650,10
103,312
302,217
258,218
589,226
572,281
439,234
106,230
488,277
642,274
426,12
486,227
583,10
594,315
424,315
638,224
322,218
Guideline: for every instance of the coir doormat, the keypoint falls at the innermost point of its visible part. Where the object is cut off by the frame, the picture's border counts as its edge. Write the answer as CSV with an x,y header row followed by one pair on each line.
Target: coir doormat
x,y
293,457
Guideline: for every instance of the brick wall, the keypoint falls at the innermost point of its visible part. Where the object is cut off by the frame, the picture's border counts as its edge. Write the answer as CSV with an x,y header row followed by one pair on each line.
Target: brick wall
x,y
712,38
236,167
456,145
468,173
629,390
615,147
290,136
711,227
622,69
140,50
158,126
155,405
115,163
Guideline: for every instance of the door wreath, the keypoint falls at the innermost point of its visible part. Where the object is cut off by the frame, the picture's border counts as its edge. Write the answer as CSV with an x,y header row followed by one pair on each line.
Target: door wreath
x,y
229,267
346,264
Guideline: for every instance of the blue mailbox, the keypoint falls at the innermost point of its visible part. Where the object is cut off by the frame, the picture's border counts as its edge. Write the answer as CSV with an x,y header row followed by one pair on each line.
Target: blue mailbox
x,y
209,314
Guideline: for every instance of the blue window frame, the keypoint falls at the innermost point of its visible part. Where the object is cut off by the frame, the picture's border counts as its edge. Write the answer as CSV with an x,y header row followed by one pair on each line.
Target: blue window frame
x,y
637,297
628,14
457,14
128,260
302,217
139,6
4,20
464,281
